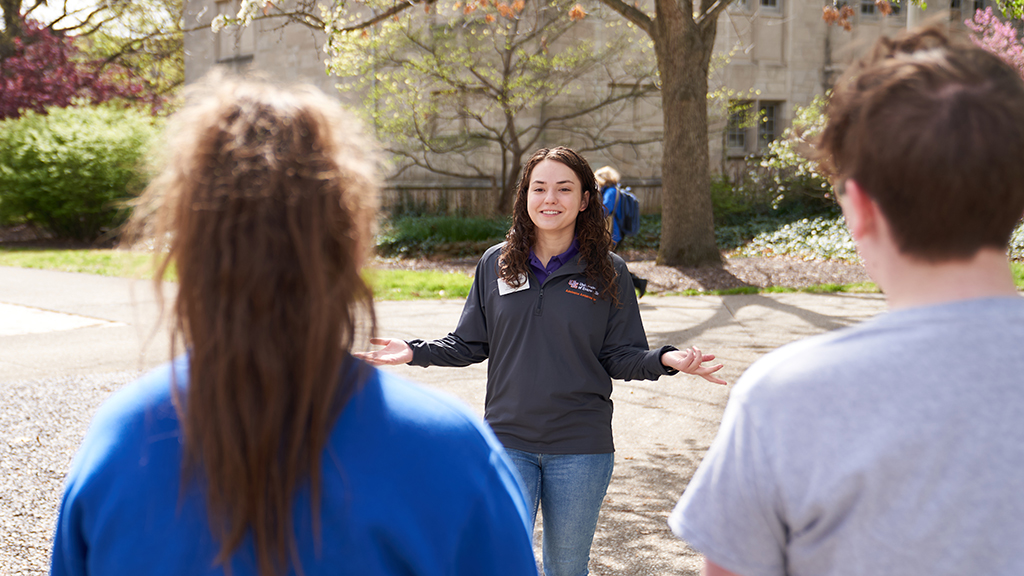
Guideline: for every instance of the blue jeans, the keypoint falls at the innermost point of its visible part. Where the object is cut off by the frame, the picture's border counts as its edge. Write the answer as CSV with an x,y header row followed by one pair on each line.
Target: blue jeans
x,y
569,488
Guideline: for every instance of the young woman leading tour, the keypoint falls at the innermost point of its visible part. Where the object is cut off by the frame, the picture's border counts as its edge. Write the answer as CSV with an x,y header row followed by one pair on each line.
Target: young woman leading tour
x,y
267,449
554,312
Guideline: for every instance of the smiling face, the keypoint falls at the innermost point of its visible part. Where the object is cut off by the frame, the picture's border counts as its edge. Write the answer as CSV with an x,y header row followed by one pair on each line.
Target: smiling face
x,y
555,198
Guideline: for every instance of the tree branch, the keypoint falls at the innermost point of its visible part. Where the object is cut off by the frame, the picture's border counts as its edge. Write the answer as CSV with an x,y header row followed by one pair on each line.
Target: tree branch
x,y
427,165
711,14
396,9
633,14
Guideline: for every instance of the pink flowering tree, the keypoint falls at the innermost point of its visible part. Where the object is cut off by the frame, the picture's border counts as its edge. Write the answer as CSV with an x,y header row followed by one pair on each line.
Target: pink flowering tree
x,y
46,69
998,37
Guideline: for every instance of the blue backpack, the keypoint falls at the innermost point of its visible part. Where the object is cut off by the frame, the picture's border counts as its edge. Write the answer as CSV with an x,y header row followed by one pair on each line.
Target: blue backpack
x,y
627,212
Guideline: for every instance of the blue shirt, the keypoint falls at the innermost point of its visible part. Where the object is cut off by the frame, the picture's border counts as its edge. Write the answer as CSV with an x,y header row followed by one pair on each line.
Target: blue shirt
x,y
609,194
412,482
542,272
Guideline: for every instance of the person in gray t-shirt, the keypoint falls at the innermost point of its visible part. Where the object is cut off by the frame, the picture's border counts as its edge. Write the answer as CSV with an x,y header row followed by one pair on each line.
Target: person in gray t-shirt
x,y
896,446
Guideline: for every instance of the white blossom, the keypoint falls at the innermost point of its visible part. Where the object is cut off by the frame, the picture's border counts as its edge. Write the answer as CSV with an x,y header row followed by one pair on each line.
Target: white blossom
x,y
218,23
248,11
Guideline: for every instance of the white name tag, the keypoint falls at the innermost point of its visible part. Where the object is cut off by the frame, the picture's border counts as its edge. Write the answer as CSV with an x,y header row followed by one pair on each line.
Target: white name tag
x,y
504,288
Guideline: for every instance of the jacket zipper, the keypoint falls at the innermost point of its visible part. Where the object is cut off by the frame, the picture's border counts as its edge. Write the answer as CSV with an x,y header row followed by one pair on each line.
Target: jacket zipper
x,y
540,303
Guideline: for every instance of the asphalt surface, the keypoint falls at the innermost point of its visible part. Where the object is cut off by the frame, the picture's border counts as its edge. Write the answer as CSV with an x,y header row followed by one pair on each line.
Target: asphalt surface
x,y
68,340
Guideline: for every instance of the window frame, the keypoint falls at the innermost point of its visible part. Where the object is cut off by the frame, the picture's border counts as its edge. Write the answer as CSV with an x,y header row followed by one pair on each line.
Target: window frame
x,y
768,126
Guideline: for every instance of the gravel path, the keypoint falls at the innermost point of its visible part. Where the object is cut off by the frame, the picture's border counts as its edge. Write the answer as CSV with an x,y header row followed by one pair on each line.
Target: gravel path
x,y
41,424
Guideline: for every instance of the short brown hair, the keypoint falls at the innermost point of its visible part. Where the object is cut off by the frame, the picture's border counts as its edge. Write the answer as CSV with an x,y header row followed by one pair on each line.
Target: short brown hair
x,y
933,131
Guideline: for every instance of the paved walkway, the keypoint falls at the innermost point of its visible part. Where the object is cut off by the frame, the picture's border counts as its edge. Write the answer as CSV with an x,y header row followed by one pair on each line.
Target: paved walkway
x,y
67,340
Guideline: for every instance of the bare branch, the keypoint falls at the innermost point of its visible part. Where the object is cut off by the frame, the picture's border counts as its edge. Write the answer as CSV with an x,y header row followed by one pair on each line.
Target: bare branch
x,y
633,14
393,11
427,165
587,111
89,24
710,14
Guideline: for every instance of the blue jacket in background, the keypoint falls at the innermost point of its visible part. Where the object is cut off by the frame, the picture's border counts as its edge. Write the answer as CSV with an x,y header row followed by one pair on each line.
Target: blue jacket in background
x,y
609,193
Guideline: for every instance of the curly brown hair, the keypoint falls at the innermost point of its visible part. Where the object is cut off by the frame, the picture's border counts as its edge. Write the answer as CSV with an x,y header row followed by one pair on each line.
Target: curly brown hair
x,y
265,209
591,231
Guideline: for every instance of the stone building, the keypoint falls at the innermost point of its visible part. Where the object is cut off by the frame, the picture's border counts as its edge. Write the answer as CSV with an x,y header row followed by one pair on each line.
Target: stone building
x,y
780,54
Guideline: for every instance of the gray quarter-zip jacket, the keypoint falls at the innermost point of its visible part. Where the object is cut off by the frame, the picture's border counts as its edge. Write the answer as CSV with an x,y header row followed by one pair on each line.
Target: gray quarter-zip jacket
x,y
553,350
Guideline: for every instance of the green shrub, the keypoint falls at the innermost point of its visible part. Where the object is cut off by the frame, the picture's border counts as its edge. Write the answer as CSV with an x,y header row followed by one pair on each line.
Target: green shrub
x,y
442,235
73,170
761,195
823,238
782,186
739,230
789,175
730,199
1016,251
649,236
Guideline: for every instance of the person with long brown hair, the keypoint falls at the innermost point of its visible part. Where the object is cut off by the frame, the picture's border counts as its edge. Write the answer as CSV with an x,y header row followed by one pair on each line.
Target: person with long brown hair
x,y
266,448
553,311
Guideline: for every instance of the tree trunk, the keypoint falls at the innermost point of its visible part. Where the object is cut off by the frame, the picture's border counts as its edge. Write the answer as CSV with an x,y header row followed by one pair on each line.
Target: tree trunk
x,y
687,222
508,186
515,152
12,26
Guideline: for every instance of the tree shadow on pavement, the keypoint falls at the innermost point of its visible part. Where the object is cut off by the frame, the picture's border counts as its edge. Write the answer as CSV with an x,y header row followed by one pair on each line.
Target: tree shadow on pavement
x,y
726,313
633,537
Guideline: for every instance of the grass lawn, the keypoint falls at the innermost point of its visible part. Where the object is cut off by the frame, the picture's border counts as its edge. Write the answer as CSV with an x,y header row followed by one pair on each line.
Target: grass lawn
x,y
418,284
104,262
387,284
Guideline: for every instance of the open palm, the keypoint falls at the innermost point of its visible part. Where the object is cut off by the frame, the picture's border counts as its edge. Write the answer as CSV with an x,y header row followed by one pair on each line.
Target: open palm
x,y
394,351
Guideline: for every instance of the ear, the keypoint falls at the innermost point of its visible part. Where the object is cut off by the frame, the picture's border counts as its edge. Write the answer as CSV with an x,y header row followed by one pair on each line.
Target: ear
x,y
862,213
584,200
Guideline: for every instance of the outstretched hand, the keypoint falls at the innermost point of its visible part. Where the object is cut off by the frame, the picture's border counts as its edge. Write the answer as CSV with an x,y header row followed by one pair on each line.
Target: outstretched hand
x,y
393,352
691,361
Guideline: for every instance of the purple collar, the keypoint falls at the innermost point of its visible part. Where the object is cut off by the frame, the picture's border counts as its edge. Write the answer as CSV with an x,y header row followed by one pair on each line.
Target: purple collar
x,y
542,272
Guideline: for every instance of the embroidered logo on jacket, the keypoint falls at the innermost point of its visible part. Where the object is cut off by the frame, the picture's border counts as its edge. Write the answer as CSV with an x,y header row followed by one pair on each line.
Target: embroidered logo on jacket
x,y
579,288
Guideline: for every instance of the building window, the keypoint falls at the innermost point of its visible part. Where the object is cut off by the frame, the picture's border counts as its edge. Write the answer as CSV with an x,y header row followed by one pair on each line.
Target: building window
x,y
736,129
770,4
768,115
867,7
751,126
236,45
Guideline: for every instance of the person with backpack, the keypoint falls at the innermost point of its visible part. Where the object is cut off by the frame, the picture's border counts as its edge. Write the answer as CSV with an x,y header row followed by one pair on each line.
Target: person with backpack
x,y
622,213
